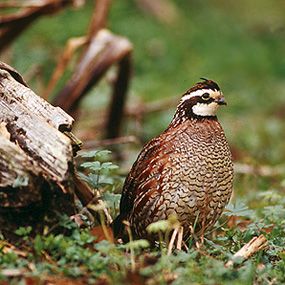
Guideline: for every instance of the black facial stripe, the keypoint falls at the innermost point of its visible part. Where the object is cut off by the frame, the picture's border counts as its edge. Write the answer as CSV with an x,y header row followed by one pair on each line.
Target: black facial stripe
x,y
208,101
188,104
184,109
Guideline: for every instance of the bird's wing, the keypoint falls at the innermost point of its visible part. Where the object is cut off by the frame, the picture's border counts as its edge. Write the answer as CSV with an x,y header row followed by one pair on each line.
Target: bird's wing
x,y
145,175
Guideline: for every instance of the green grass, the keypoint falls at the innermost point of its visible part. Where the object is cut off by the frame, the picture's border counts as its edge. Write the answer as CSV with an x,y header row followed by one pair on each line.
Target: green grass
x,y
78,255
240,44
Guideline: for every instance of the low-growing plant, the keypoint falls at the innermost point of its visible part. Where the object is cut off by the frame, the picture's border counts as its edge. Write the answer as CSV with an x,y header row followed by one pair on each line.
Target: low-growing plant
x,y
78,254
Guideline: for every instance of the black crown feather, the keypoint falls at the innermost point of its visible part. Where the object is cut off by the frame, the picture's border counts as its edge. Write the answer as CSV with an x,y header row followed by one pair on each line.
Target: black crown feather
x,y
206,84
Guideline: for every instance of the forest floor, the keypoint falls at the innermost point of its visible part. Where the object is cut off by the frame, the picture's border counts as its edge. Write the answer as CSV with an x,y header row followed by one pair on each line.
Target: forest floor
x,y
232,42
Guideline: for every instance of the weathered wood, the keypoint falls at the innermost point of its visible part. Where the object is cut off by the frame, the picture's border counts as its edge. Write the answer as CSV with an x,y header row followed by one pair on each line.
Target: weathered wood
x,y
12,25
116,111
99,17
36,157
104,50
24,98
70,48
16,167
33,124
98,22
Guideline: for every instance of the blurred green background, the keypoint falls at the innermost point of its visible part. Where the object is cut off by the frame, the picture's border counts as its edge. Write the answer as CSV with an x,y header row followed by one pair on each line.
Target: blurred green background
x,y
240,44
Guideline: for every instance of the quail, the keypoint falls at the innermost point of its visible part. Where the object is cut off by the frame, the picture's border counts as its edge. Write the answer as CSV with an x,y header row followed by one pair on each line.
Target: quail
x,y
186,171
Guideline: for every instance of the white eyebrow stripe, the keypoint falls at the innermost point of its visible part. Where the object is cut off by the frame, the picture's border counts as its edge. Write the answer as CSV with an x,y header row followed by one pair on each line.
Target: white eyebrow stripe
x,y
197,93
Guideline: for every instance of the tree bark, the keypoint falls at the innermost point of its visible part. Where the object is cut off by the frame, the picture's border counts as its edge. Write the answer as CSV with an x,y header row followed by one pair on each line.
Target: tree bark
x,y
36,157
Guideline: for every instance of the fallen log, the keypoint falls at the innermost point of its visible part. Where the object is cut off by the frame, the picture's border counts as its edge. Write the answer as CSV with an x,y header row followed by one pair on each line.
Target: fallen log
x,y
36,157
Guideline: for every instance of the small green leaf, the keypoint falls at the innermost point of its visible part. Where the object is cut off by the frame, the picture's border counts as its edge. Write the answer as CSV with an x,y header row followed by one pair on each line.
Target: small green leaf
x,y
89,154
91,179
111,199
158,226
105,180
137,244
274,212
23,231
239,209
95,153
38,244
109,166
94,165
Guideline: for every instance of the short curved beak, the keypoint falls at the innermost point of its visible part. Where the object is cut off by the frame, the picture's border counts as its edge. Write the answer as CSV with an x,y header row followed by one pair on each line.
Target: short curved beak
x,y
221,100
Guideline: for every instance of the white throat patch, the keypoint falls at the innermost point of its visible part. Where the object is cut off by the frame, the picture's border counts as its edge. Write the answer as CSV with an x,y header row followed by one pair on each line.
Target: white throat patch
x,y
203,109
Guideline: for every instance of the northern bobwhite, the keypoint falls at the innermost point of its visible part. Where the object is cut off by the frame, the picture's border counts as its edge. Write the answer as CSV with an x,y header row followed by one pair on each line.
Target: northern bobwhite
x,y
186,171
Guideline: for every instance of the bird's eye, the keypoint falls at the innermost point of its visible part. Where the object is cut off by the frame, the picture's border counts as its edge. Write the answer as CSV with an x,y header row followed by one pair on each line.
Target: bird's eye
x,y
206,96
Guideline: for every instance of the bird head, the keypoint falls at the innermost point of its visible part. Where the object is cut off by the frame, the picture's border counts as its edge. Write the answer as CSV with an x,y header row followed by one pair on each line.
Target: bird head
x,y
201,100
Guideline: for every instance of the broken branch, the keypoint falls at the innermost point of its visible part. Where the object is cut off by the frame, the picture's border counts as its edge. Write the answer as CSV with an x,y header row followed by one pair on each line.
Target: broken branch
x,y
254,245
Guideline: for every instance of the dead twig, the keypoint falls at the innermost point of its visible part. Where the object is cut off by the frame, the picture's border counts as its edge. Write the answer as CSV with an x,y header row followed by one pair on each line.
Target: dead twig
x,y
98,22
69,50
83,191
179,238
254,245
31,3
172,240
99,17
116,111
12,25
177,232
13,272
104,50
7,247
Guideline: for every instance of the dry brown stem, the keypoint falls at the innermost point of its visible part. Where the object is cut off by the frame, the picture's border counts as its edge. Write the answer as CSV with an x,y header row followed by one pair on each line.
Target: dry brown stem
x,y
104,50
254,245
116,110
32,3
12,25
98,22
69,50
99,17
172,240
